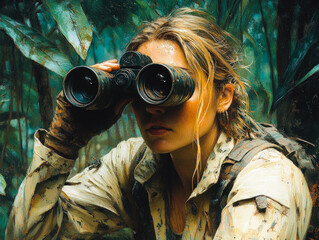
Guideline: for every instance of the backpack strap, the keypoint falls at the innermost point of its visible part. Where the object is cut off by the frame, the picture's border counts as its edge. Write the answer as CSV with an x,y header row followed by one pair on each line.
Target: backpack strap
x,y
267,136
292,148
238,159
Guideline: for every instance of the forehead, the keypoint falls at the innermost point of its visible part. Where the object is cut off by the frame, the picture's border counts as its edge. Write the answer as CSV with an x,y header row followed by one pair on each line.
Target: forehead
x,y
164,52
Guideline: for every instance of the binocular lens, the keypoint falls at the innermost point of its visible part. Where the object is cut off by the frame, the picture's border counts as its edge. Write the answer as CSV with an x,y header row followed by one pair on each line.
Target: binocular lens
x,y
154,83
158,87
82,85
84,91
164,85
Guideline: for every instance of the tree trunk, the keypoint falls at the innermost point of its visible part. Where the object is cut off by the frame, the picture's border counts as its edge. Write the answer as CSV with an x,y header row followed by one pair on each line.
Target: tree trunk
x,y
271,65
44,92
285,19
43,86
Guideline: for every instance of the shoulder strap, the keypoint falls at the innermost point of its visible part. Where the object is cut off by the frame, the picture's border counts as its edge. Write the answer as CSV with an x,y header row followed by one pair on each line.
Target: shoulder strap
x,y
240,156
293,148
237,160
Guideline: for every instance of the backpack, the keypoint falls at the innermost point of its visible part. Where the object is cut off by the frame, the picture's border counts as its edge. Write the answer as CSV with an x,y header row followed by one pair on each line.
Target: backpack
x,y
267,136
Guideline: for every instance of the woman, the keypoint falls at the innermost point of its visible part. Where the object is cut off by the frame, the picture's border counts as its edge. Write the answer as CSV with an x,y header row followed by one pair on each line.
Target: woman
x,y
186,146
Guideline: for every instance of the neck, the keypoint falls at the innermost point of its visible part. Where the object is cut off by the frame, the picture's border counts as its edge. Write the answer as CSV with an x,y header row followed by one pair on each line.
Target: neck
x,y
184,160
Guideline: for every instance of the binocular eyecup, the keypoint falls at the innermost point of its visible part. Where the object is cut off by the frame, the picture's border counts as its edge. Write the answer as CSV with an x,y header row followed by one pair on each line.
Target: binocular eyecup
x,y
156,84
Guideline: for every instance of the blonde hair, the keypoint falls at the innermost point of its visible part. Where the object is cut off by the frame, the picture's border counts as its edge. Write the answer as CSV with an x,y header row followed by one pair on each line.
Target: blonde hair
x,y
211,56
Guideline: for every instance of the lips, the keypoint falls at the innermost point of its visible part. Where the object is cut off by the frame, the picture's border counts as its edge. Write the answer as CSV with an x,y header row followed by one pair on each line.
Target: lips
x,y
157,129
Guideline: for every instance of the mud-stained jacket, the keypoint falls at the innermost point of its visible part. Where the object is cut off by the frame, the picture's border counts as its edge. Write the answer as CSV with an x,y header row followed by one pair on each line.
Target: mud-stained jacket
x,y
99,200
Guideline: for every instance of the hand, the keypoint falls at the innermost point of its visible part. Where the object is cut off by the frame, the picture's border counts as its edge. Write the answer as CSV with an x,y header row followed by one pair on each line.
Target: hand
x,y
72,127
108,66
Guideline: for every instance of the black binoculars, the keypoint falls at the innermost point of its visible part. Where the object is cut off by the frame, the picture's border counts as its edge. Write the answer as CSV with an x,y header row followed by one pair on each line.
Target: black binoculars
x,y
156,84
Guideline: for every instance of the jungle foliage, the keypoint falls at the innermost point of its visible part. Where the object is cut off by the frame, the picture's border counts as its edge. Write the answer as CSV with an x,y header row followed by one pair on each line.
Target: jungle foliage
x,y
42,40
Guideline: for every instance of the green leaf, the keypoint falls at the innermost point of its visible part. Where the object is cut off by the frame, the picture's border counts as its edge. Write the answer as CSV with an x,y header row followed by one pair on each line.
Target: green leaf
x,y
288,82
3,185
146,10
35,46
233,7
167,6
245,3
110,14
250,38
72,23
314,70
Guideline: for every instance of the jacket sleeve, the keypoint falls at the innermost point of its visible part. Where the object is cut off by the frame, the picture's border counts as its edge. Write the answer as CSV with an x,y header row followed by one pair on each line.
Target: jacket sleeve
x,y
287,202
48,206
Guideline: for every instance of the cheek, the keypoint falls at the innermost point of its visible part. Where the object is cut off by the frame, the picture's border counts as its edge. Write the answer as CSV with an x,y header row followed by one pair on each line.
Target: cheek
x,y
208,114
186,113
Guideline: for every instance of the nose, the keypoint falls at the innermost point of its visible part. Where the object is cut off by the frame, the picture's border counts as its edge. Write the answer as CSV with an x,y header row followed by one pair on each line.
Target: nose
x,y
154,110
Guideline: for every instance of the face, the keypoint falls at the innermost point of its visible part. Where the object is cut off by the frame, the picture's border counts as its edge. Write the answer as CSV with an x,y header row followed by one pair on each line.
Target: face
x,y
168,129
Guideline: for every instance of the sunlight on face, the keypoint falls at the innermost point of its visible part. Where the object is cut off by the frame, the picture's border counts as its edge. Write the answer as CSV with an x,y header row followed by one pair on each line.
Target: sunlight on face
x,y
168,129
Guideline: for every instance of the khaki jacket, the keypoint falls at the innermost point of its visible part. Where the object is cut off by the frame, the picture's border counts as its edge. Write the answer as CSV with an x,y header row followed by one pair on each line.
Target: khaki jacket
x,y
99,200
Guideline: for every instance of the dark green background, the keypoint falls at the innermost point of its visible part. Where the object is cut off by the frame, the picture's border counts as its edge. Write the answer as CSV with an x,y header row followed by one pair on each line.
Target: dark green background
x,y
280,48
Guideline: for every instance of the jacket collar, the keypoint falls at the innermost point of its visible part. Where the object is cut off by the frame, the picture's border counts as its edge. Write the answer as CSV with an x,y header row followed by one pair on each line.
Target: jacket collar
x,y
215,160
146,167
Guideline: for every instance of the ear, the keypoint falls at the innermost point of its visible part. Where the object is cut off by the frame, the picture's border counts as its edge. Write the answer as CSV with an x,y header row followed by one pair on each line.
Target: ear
x,y
225,98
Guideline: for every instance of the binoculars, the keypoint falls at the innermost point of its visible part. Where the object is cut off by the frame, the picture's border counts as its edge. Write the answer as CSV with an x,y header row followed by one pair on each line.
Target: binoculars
x,y
156,84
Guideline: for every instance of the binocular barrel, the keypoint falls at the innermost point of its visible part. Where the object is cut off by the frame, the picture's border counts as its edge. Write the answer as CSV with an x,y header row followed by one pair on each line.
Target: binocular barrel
x,y
93,89
160,84
156,84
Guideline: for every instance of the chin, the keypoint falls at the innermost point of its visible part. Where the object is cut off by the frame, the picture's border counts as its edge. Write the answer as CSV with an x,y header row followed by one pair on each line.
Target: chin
x,y
160,146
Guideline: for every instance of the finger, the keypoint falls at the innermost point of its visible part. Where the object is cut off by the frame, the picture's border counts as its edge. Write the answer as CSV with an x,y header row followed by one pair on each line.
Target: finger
x,y
104,68
114,66
112,61
107,66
